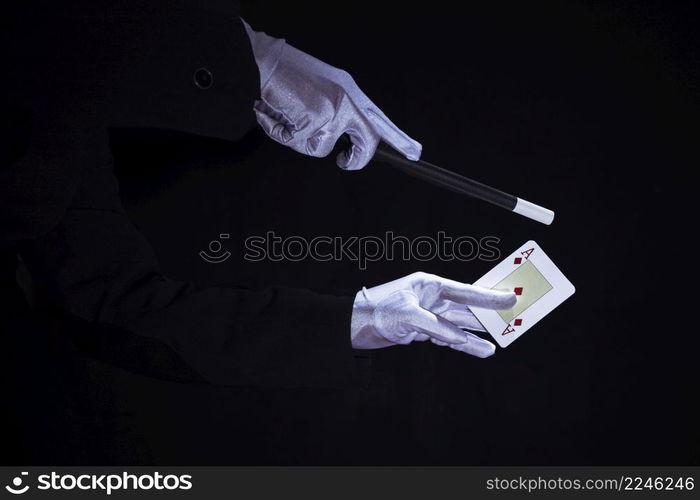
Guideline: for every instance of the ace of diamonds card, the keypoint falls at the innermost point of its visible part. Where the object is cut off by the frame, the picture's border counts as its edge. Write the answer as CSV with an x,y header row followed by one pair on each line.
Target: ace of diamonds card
x,y
538,285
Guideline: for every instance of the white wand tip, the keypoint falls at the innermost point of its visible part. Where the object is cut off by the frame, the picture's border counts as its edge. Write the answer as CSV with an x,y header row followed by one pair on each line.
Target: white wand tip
x,y
534,212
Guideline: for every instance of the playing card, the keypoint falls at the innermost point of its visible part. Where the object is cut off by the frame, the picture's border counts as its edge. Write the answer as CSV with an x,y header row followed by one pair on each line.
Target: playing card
x,y
538,284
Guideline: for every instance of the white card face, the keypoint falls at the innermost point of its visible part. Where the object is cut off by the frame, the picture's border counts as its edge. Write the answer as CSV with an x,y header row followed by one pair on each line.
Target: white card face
x,y
538,284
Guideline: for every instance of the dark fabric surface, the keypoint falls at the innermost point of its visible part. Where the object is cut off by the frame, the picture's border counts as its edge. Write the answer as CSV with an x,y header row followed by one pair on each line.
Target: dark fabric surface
x,y
70,72
86,68
96,266
110,342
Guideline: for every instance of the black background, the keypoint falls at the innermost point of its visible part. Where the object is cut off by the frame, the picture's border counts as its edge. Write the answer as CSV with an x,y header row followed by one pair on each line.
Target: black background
x,y
582,107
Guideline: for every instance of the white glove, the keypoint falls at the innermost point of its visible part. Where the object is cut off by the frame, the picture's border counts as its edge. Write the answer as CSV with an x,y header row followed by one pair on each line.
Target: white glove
x,y
424,306
307,105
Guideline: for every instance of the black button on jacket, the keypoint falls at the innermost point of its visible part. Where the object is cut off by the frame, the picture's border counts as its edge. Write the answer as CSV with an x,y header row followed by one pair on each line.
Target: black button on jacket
x,y
76,68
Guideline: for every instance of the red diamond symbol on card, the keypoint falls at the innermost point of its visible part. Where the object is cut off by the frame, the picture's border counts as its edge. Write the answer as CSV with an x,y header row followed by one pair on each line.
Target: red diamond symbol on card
x,y
518,290
517,260
518,322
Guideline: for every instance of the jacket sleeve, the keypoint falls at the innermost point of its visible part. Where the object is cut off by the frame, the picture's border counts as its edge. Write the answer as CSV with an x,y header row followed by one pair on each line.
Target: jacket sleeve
x,y
74,69
96,266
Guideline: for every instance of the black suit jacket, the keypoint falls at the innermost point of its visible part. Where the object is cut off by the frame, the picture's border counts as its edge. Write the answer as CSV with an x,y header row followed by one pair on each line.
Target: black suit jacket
x,y
77,69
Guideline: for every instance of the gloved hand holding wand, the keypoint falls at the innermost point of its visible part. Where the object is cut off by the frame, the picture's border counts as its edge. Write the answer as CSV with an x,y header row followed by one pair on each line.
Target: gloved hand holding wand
x,y
308,105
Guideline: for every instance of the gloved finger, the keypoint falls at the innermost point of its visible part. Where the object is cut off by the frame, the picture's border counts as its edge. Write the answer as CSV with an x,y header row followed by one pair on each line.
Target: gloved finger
x,y
473,295
360,151
476,346
463,318
322,143
277,131
437,327
421,337
393,135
